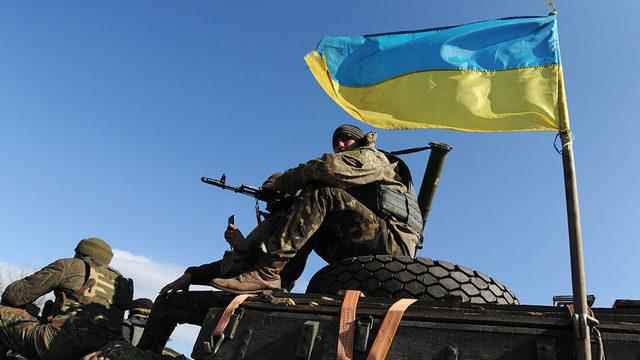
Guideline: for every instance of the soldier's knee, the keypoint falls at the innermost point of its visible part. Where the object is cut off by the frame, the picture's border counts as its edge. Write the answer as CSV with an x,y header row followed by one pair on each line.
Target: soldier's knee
x,y
161,302
170,302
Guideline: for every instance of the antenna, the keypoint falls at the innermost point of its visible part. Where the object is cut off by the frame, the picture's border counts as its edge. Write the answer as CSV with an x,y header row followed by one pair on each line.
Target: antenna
x,y
552,7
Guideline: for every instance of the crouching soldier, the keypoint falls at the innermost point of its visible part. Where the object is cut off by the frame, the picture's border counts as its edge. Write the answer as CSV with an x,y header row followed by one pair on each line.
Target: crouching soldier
x,y
87,312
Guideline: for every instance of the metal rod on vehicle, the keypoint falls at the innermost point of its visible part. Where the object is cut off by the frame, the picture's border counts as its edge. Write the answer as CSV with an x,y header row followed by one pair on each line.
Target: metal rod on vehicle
x,y
581,326
431,177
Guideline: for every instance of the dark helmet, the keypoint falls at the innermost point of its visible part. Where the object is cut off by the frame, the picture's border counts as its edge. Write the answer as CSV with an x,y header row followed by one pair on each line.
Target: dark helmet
x,y
346,131
96,249
141,307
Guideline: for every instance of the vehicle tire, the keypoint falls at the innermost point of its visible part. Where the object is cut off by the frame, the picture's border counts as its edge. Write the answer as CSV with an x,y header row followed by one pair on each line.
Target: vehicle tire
x,y
406,277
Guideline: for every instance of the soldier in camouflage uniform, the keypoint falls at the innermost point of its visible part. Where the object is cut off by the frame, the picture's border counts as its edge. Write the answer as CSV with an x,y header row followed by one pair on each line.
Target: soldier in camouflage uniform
x,y
87,313
329,216
334,201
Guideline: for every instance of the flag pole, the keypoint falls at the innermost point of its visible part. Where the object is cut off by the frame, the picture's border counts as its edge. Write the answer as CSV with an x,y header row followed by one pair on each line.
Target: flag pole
x,y
581,318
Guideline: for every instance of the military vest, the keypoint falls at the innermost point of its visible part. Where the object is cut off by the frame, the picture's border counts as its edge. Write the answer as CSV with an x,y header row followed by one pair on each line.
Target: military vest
x,y
100,287
387,201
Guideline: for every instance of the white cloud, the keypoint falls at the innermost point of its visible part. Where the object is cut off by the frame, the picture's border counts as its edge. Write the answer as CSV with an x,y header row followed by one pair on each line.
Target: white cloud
x,y
149,277
9,273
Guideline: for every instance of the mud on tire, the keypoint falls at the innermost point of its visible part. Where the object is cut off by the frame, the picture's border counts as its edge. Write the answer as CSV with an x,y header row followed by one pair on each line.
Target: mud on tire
x,y
405,277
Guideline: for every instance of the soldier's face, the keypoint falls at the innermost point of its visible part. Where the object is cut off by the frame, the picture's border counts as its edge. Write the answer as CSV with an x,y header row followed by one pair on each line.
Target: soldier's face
x,y
343,144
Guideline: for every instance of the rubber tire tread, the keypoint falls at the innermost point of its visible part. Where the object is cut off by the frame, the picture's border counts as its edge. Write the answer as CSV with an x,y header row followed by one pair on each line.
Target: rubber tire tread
x,y
405,277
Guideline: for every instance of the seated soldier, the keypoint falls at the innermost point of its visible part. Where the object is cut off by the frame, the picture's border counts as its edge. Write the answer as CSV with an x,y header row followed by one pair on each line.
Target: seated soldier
x,y
336,212
87,313
133,328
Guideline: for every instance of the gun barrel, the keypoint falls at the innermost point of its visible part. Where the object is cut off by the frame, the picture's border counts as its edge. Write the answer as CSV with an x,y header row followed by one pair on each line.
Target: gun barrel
x,y
215,182
242,189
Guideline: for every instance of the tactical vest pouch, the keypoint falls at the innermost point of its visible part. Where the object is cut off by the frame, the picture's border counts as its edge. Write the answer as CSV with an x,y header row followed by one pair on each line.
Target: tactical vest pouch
x,y
402,206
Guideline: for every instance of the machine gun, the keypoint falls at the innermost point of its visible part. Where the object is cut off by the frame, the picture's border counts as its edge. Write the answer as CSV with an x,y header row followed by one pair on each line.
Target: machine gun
x,y
274,199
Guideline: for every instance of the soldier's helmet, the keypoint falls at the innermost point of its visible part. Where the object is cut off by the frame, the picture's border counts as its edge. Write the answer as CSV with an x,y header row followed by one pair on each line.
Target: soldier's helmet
x,y
140,308
96,249
346,131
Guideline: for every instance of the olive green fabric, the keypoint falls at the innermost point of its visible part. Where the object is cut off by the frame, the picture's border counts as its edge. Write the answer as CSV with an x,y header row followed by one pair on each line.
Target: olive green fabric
x,y
80,322
87,330
103,290
360,166
336,223
61,275
23,333
350,169
95,248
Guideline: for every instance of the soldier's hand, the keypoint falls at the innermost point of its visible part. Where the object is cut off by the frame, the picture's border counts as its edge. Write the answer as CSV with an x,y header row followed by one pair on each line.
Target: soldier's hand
x,y
180,284
234,237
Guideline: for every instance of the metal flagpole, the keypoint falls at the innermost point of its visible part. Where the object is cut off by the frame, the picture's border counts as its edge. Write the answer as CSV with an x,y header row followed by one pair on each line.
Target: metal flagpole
x,y
581,317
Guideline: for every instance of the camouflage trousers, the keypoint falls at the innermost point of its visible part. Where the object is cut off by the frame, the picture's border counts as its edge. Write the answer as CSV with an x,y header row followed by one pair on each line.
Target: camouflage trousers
x,y
23,333
328,220
75,337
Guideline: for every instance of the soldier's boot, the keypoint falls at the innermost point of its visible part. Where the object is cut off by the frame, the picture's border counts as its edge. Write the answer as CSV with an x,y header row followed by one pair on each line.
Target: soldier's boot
x,y
233,263
266,276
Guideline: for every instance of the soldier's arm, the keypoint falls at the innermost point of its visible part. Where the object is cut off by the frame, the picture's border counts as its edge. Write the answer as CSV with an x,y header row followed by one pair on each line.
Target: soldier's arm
x,y
25,291
342,170
296,178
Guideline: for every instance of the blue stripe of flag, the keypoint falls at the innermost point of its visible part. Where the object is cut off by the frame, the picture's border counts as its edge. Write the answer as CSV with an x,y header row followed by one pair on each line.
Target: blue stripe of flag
x,y
493,45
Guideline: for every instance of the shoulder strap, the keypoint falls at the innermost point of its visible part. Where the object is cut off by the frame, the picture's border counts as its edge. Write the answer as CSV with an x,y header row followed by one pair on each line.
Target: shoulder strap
x,y
403,169
89,282
410,150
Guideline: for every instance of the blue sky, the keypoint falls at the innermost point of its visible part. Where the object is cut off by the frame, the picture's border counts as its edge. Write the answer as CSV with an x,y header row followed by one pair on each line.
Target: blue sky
x,y
110,113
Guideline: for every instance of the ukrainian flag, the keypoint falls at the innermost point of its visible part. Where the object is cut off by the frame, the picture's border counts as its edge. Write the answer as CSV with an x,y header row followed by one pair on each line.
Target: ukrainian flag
x,y
498,75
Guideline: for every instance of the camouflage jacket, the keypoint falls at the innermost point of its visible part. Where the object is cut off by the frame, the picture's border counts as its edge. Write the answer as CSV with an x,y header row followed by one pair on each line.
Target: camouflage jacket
x,y
60,274
360,166
66,278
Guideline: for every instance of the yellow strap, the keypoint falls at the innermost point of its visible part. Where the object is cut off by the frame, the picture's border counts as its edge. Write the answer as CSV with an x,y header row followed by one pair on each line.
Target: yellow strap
x,y
387,331
142,311
347,329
